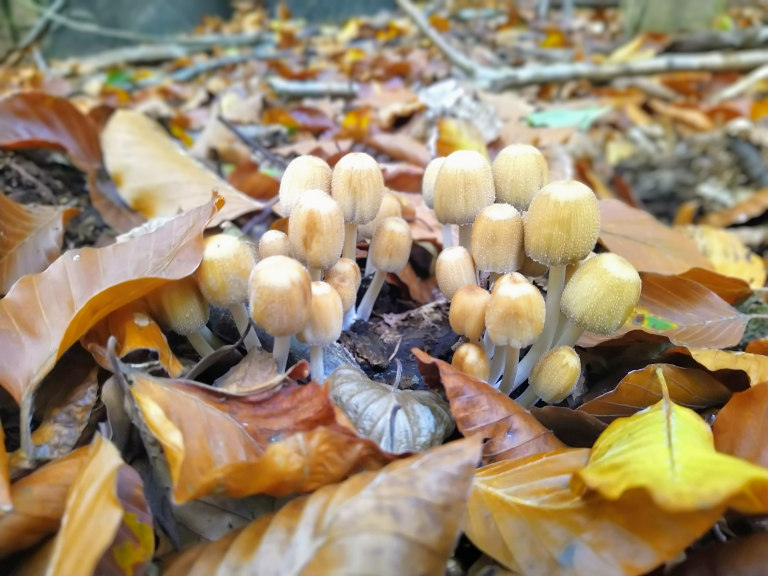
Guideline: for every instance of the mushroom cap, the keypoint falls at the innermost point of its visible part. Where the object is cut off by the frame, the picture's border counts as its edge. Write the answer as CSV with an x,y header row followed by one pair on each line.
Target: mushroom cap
x,y
428,180
454,268
224,270
179,306
280,291
391,244
303,173
515,312
274,243
467,312
316,230
472,359
323,325
497,239
519,171
345,277
390,206
358,185
602,293
463,187
556,374
562,223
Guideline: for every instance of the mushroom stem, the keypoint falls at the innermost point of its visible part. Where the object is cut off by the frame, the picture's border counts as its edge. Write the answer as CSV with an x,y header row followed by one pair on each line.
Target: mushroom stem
x,y
349,318
350,241
280,349
200,344
243,322
497,366
510,368
315,274
528,398
369,267
316,365
366,304
488,345
447,236
210,338
465,236
570,334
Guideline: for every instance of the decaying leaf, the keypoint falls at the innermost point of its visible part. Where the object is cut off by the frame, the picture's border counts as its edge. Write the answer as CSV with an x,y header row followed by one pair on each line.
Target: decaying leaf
x,y
6,504
277,441
397,420
741,427
523,513
403,519
732,290
479,409
458,134
668,451
754,366
752,207
745,556
641,388
647,243
30,238
156,178
86,285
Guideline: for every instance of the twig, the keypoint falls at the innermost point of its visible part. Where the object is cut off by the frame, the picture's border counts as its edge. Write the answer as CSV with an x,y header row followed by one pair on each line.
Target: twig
x,y
738,39
34,33
744,84
127,55
312,89
256,148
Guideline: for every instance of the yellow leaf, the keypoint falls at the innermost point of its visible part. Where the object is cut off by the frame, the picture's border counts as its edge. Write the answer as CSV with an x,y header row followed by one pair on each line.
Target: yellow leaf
x,y
668,451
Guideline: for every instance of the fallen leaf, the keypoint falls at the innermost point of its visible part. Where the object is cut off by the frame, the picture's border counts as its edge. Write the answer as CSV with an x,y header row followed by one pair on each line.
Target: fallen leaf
x,y
753,207
565,117
649,245
86,285
6,504
400,147
134,330
273,442
355,527
668,452
574,428
682,310
30,238
523,513
754,366
113,209
641,388
248,178
257,371
479,409
402,176
37,120
457,134
424,223
744,556
741,427
156,178
688,115
397,420
732,290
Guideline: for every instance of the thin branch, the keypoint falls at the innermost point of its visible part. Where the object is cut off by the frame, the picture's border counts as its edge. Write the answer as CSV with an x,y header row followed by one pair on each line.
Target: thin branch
x,y
34,33
312,88
257,149
737,39
738,88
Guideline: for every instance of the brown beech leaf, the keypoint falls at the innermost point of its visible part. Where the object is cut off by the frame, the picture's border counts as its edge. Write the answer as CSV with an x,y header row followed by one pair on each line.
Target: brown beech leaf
x,y
741,427
37,120
745,556
574,428
753,366
403,519
479,409
752,207
402,176
134,330
458,134
397,420
682,310
276,442
106,527
30,238
400,147
639,389
523,514
424,223
38,502
45,313
732,290
156,178
6,504
647,243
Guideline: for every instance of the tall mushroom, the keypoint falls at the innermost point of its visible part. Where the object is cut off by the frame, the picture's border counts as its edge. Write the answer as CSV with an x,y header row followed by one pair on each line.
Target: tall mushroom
x,y
323,327
303,173
497,240
316,231
519,171
553,377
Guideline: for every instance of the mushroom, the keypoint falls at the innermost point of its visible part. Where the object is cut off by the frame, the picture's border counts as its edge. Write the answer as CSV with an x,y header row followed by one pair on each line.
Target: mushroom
x,y
390,250
471,359
553,378
323,327
428,183
390,206
223,279
274,243
497,240
467,312
279,293
358,186
463,187
344,276
454,268
519,171
316,232
303,173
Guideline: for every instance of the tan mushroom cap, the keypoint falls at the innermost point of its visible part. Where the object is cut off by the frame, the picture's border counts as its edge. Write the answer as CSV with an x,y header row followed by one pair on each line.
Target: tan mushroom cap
x,y
467,312
454,268
471,359
390,206
519,171
316,230
515,313
497,239
556,374
303,173
391,244
428,180
224,270
179,306
463,187
358,185
323,325
345,277
280,291
274,243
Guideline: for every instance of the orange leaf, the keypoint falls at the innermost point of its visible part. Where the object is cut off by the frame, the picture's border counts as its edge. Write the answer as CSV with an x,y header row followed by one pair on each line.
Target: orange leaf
x,y
247,178
402,177
741,427
647,243
156,178
439,23
754,366
732,290
134,329
30,238
44,314
356,527
753,207
479,409
641,388
37,120
554,38
400,147
275,442
357,124
759,109
688,115
457,134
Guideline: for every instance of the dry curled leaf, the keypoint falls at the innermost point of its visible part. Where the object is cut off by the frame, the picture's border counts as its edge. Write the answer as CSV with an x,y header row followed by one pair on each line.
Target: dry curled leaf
x,y
30,238
156,178
741,427
752,207
753,366
479,409
403,519
397,420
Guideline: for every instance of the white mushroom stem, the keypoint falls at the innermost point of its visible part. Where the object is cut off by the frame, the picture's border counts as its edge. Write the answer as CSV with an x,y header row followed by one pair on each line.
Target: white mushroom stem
x,y
280,349
315,274
316,364
447,236
349,318
465,237
498,360
200,344
510,368
489,347
570,334
350,241
369,267
366,304
528,398
243,321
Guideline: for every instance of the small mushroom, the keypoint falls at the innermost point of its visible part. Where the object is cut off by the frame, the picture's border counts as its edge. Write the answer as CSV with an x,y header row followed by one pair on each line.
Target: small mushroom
x,y
274,243
497,240
344,276
455,268
316,232
303,173
519,171
471,359
323,327
553,377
